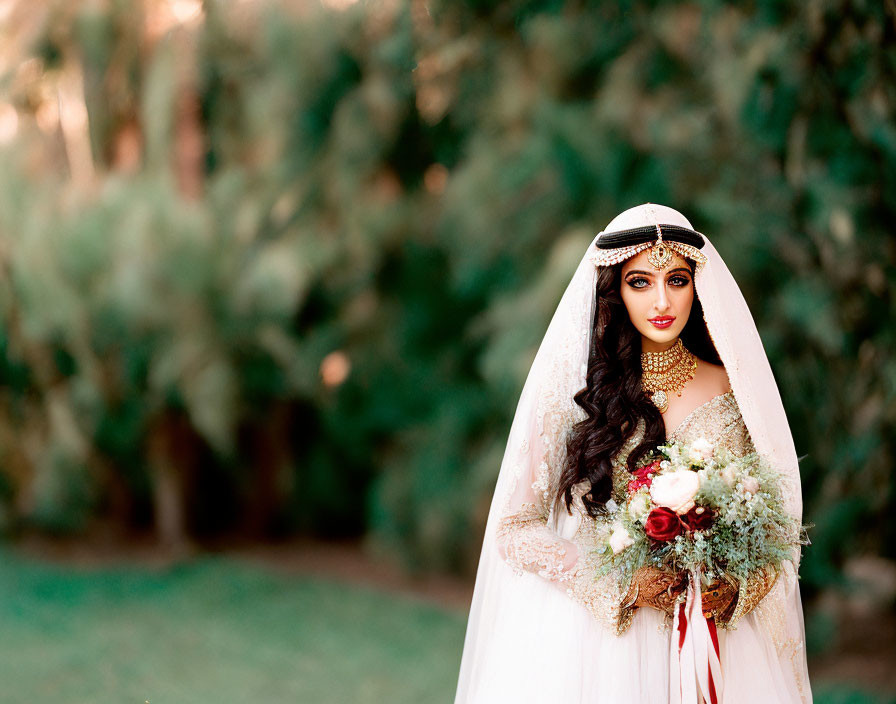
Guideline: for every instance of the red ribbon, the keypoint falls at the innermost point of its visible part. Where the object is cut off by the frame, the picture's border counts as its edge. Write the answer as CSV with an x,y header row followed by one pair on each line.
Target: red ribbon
x,y
711,622
713,633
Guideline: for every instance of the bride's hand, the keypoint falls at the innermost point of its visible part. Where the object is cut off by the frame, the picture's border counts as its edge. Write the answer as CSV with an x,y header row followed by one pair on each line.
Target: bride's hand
x,y
719,599
656,588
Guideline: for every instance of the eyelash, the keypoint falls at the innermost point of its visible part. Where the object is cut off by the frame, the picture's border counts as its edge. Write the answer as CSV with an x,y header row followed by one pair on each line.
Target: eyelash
x,y
631,282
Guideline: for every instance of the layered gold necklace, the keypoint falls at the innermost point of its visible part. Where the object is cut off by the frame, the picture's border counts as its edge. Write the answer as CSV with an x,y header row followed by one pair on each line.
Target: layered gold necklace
x,y
667,372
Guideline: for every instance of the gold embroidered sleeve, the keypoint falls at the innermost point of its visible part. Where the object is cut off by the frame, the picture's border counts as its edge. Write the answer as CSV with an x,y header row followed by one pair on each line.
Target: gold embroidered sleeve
x,y
530,541
600,591
527,544
524,539
751,592
601,596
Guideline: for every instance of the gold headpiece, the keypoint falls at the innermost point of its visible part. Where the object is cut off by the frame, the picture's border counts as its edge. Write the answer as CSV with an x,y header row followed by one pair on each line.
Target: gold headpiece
x,y
662,240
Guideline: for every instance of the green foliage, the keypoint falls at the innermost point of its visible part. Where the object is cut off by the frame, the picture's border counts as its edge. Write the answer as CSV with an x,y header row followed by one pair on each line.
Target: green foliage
x,y
410,191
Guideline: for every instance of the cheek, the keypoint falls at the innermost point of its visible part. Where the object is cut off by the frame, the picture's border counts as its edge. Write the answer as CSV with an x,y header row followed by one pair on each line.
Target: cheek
x,y
684,298
631,300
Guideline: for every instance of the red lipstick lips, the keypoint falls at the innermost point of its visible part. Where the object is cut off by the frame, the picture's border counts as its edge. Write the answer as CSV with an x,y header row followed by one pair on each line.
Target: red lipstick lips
x,y
662,321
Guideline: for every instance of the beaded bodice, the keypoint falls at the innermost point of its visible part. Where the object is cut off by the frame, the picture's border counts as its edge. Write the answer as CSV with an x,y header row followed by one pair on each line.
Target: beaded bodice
x,y
718,420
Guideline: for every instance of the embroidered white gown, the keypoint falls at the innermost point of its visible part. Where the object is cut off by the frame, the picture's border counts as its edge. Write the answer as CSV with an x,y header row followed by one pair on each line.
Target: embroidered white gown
x,y
622,655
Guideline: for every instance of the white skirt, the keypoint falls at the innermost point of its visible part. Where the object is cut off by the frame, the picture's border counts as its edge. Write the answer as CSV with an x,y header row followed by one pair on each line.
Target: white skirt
x,y
546,648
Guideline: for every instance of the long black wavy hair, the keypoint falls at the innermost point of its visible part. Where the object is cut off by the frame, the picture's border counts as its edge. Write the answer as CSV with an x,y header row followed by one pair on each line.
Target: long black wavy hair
x,y
612,398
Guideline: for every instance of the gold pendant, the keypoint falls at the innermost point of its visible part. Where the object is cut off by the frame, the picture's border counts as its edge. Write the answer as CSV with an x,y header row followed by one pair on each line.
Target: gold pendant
x,y
660,400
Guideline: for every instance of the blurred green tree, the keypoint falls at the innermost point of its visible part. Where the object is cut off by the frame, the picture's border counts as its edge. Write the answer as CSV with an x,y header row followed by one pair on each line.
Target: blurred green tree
x,y
277,267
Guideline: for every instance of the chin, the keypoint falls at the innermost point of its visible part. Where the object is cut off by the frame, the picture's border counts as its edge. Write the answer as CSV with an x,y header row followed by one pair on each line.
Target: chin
x,y
661,340
661,336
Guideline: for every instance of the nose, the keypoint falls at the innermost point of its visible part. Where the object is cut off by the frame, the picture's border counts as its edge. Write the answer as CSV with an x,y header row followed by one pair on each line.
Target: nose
x,y
662,299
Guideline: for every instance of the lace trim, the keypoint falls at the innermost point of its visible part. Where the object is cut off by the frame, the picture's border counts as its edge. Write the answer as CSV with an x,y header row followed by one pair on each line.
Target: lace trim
x,y
601,596
530,546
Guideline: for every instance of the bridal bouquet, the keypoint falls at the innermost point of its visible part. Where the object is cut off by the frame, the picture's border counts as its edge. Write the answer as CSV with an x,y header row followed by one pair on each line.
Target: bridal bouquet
x,y
701,509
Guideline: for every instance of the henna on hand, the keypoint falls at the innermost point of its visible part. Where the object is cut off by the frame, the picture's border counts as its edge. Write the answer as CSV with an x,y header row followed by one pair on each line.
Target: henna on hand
x,y
656,588
719,599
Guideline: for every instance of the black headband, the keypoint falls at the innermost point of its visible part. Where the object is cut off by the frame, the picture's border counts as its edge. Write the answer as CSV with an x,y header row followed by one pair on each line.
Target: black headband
x,y
647,233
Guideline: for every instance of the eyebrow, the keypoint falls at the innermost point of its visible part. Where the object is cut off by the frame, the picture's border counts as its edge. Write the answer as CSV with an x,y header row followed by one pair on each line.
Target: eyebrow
x,y
648,273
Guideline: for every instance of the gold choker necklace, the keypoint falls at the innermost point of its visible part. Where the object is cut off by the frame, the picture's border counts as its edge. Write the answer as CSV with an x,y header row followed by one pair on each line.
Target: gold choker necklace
x,y
665,372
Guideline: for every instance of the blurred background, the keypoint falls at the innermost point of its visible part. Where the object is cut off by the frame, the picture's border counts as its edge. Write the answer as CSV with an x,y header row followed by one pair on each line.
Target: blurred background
x,y
272,273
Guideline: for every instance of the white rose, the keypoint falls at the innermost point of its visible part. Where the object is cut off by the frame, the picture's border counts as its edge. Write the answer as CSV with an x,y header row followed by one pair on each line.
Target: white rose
x,y
611,506
639,507
751,485
701,450
620,539
675,490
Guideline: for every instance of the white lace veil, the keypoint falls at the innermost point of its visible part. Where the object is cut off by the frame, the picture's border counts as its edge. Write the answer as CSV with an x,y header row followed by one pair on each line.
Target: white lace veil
x,y
522,635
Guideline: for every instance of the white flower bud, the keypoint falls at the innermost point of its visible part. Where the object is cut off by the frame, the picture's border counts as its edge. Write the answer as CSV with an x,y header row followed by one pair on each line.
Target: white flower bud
x,y
701,450
639,507
620,538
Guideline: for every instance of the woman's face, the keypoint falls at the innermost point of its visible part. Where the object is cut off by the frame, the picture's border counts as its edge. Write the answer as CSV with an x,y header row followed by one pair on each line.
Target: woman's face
x,y
663,297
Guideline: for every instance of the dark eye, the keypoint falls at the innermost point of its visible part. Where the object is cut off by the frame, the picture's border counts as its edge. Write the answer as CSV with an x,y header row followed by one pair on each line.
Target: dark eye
x,y
637,281
679,281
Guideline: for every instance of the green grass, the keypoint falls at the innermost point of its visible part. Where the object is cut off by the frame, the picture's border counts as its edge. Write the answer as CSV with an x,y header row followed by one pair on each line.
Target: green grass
x,y
216,631
839,694
220,631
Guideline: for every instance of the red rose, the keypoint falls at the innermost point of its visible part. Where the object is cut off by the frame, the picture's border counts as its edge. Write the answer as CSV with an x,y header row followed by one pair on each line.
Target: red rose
x,y
641,477
662,525
698,521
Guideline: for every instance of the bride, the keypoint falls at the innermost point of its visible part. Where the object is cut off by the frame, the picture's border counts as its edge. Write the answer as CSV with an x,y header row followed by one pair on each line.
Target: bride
x,y
652,340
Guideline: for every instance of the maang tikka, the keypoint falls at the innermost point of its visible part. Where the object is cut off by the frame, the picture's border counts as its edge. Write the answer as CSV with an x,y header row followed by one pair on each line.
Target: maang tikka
x,y
659,254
